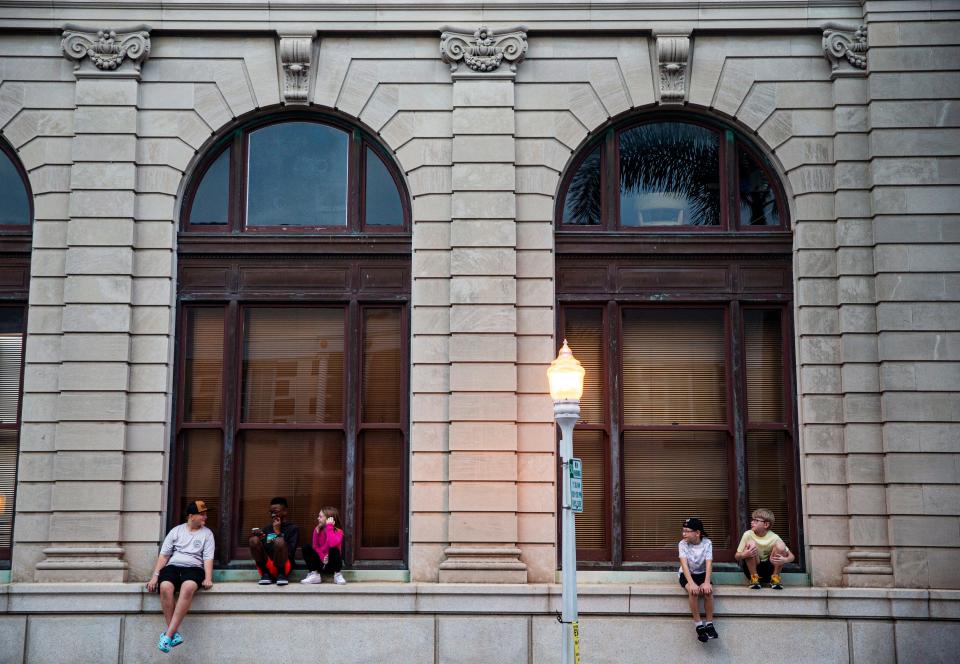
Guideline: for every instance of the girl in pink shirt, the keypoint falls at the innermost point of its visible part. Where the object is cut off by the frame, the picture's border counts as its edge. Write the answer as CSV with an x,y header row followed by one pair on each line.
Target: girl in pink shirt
x,y
324,554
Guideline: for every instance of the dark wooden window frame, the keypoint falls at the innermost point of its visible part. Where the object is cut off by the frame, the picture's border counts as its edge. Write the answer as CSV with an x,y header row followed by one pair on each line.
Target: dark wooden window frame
x,y
233,304
236,143
353,266
12,231
747,258
607,139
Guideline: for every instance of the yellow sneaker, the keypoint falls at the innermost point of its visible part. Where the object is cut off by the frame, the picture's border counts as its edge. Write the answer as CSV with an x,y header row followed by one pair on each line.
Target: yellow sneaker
x,y
775,582
755,582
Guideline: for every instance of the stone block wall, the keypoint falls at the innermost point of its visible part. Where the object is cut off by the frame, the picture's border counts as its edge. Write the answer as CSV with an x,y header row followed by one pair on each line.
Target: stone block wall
x,y
868,158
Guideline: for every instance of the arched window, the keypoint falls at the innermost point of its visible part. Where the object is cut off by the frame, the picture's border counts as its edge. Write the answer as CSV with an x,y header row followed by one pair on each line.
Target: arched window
x,y
674,288
672,173
16,215
294,284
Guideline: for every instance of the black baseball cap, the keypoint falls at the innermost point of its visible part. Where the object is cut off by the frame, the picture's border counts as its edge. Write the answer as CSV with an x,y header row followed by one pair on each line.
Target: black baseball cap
x,y
693,523
196,507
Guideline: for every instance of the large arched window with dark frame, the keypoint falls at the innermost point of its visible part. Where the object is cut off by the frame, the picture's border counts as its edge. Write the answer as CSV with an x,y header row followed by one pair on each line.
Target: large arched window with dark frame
x,y
674,289
16,218
293,289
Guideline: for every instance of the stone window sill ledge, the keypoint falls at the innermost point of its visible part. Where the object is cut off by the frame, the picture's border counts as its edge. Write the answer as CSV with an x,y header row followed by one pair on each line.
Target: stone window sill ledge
x,y
429,598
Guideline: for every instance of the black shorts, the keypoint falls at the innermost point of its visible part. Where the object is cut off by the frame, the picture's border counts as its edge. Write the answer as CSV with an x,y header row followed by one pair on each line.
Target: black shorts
x,y
177,575
764,570
698,578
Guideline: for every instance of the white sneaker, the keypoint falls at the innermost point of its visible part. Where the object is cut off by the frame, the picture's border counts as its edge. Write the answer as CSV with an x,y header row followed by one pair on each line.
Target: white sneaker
x,y
339,580
312,577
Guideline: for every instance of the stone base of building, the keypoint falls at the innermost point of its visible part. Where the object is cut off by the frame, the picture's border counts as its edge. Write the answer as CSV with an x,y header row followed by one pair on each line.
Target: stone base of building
x,y
482,565
424,623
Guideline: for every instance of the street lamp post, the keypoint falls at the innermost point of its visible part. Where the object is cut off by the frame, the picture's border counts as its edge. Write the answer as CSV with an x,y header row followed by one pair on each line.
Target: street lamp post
x,y
565,376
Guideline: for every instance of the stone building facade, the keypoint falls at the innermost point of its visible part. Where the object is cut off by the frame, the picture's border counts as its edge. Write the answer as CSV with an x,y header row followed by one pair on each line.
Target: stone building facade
x,y
850,104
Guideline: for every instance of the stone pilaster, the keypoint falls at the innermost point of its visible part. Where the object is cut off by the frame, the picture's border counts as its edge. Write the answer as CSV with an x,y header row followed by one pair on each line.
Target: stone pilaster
x,y
88,525
483,460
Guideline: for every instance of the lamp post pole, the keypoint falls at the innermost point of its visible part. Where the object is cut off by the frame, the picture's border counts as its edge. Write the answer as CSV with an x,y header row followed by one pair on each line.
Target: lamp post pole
x,y
565,376
567,412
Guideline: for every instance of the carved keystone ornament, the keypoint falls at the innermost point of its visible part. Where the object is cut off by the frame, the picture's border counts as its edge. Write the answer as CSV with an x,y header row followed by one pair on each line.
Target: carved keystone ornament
x,y
672,54
845,47
106,48
295,52
483,50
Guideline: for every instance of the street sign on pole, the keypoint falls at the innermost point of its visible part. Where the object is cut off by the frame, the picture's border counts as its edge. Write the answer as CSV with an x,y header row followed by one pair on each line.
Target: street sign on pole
x,y
576,485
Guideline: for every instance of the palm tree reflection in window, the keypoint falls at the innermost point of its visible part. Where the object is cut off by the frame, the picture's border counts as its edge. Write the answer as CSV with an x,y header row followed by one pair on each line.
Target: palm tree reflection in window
x,y
758,202
582,205
669,175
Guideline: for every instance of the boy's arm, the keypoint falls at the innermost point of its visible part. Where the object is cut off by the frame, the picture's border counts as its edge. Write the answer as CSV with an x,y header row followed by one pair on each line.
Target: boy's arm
x,y
208,574
742,550
706,586
686,572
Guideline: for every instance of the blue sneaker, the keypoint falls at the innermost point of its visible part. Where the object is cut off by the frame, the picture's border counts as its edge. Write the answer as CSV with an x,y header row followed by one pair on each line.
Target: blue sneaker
x,y
176,640
164,644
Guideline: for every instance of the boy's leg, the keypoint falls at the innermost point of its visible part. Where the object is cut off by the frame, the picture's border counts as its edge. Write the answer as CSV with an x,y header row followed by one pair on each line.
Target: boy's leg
x,y
280,555
258,554
187,591
694,606
167,601
751,564
708,607
780,549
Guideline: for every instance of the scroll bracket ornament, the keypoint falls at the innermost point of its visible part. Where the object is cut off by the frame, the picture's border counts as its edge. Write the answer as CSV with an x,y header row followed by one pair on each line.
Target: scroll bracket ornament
x,y
483,50
846,48
673,52
295,54
105,50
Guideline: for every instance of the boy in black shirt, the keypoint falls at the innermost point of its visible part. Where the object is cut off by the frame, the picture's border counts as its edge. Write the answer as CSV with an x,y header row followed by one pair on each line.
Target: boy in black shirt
x,y
272,548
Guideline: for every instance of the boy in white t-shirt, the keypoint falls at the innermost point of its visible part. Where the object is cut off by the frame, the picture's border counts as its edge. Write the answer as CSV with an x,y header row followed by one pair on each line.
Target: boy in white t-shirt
x,y
696,566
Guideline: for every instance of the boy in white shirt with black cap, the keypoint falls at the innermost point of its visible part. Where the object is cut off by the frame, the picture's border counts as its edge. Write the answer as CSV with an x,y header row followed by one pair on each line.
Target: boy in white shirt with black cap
x,y
696,566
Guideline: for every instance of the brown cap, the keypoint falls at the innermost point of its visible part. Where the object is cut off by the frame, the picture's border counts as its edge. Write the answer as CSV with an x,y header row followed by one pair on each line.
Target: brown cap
x,y
196,507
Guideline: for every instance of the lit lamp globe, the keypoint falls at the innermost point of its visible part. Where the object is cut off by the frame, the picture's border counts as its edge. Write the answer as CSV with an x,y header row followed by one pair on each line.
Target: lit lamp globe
x,y
565,376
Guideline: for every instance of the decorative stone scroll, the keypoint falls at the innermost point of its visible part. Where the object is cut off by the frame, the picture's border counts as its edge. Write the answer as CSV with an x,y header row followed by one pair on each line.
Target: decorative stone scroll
x,y
106,49
846,48
483,50
295,52
672,54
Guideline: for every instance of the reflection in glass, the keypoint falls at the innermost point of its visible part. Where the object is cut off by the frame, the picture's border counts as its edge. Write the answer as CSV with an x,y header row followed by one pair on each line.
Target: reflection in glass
x,y
669,175
305,467
210,201
382,201
582,205
758,203
297,176
293,365
16,206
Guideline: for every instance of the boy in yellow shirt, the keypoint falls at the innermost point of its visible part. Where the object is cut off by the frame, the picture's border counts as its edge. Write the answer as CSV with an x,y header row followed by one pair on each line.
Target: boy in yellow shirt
x,y
762,554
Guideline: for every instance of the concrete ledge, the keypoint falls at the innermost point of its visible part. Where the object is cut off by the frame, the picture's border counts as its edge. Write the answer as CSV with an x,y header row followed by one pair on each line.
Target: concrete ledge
x,y
416,598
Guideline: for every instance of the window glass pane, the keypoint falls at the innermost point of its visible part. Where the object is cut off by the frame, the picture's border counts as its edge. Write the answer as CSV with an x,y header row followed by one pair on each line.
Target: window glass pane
x,y
674,366
669,175
203,392
297,175
11,358
305,467
202,449
763,348
582,205
591,524
293,365
382,370
669,476
210,203
758,202
768,469
16,206
584,333
8,484
382,201
381,517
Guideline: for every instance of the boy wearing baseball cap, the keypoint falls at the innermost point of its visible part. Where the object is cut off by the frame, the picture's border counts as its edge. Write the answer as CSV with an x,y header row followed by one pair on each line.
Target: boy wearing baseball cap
x,y
185,563
696,566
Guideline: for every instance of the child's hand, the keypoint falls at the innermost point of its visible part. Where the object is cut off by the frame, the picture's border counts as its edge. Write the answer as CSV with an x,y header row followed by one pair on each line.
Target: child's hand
x,y
693,589
706,588
330,521
750,550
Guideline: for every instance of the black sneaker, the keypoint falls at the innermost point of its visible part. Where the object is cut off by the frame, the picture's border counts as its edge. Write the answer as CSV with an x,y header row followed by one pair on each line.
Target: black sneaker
x,y
702,634
711,631
282,580
265,580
